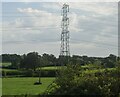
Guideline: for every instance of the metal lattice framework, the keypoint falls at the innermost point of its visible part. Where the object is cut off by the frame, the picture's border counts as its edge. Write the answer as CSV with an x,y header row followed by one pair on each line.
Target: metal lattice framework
x,y
64,50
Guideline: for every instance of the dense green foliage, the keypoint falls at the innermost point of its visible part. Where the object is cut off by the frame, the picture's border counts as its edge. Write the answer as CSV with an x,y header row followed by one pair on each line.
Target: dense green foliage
x,y
28,73
83,76
73,81
32,60
14,59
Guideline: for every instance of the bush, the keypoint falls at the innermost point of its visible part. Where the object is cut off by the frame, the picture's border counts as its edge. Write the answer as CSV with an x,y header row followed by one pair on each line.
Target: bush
x,y
13,73
28,73
72,81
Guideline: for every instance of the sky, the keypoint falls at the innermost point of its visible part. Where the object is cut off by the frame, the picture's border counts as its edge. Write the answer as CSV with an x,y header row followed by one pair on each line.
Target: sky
x,y
36,26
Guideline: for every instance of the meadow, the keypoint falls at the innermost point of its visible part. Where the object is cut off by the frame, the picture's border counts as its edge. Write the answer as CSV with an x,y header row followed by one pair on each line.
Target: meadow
x,y
5,64
16,85
25,85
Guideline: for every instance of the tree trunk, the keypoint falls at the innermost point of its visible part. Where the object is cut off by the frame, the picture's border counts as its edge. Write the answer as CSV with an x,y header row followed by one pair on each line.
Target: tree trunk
x,y
40,76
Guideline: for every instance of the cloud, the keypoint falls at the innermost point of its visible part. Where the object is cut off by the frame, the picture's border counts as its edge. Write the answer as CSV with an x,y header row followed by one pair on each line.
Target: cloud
x,y
40,17
38,29
52,5
91,26
28,10
97,8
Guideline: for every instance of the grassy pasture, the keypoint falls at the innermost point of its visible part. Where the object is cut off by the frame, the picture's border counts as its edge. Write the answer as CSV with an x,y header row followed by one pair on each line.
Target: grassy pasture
x,y
5,64
25,85
98,70
18,86
87,69
52,67
8,69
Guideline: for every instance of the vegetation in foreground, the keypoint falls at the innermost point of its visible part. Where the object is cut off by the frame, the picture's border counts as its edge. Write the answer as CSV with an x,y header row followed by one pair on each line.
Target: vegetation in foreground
x,y
83,76
73,81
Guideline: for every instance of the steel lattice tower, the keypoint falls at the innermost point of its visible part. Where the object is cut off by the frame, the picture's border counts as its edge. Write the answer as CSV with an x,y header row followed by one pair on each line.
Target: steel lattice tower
x,y
64,50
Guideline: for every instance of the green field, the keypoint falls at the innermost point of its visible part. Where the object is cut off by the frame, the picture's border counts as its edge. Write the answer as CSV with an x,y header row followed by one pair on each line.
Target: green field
x,y
25,85
5,64
43,68
18,86
98,70
52,67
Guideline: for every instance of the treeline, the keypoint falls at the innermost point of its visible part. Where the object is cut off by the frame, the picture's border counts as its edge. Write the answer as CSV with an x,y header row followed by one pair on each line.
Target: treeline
x,y
33,60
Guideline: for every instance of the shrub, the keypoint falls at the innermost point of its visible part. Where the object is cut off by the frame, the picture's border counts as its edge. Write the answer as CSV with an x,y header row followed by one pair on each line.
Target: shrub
x,y
28,73
72,81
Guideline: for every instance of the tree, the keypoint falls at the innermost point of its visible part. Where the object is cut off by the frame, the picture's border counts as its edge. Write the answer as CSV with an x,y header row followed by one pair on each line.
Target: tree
x,y
15,61
110,61
30,61
63,60
73,81
5,57
48,60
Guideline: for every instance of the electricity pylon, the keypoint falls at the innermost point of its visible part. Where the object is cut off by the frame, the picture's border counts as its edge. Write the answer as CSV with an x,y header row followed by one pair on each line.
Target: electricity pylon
x,y
64,50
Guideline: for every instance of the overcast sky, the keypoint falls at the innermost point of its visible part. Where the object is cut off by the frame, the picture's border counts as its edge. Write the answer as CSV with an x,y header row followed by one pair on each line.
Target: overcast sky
x,y
37,27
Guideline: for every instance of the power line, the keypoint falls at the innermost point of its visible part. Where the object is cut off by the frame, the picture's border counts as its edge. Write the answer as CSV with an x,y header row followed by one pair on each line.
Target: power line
x,y
24,15
46,27
27,29
21,16
28,15
5,12
34,26
98,43
72,40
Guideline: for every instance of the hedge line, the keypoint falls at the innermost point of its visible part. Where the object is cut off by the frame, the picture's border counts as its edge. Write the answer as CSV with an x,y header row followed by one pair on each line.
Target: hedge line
x,y
29,73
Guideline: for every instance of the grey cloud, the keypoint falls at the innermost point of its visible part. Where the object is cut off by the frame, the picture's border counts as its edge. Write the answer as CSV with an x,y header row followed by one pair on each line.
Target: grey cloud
x,y
92,25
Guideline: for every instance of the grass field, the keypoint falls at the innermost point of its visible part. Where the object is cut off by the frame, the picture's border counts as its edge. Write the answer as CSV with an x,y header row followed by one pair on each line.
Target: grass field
x,y
18,86
98,70
52,67
25,85
5,64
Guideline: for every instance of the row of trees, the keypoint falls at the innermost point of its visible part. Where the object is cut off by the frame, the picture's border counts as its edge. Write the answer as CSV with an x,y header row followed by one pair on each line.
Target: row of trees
x,y
33,60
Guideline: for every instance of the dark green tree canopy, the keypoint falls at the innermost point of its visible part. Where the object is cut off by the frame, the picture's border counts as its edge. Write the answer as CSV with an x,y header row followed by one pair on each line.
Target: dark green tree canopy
x,y
31,60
